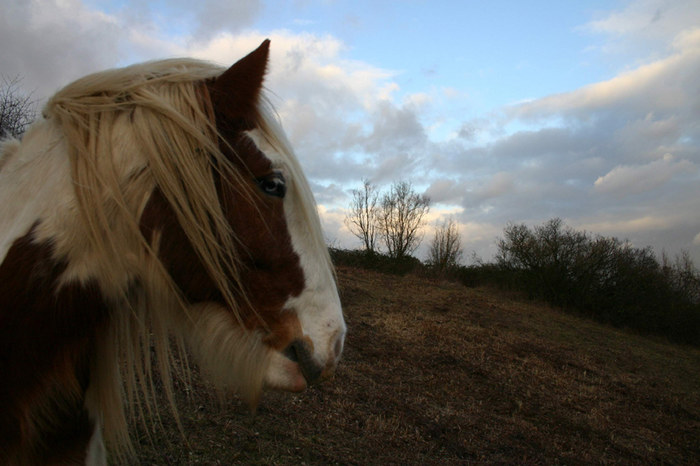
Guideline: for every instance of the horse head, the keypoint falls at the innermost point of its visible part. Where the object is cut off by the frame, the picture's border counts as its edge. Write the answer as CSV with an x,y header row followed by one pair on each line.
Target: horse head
x,y
154,204
285,291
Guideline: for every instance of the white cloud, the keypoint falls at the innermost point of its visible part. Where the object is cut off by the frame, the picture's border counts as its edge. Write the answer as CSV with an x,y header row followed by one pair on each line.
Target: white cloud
x,y
644,29
336,232
657,18
444,191
663,85
417,101
626,180
687,39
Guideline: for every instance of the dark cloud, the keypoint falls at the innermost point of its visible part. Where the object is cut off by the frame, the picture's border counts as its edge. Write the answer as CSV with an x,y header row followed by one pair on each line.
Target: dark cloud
x,y
214,16
51,43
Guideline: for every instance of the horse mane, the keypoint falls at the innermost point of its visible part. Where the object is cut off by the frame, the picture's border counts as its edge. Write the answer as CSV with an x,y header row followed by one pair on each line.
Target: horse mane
x,y
158,108
128,132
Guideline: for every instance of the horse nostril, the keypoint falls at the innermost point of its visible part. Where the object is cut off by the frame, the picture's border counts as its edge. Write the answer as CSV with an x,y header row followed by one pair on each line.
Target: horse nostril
x,y
291,352
300,352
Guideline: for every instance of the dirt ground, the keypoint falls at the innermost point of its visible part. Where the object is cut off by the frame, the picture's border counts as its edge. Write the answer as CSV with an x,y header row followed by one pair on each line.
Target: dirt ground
x,y
436,373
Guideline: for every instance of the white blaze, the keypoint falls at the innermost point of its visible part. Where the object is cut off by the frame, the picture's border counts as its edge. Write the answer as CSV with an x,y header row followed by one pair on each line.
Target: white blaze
x,y
318,306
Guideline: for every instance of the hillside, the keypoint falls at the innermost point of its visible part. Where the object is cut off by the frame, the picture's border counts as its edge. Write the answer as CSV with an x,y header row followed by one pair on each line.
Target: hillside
x,y
434,372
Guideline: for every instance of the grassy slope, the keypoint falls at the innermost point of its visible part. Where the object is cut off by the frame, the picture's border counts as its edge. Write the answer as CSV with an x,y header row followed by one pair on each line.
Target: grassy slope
x,y
437,373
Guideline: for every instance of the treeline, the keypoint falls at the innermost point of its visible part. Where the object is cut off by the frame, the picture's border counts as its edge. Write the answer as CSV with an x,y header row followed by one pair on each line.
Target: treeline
x,y
603,278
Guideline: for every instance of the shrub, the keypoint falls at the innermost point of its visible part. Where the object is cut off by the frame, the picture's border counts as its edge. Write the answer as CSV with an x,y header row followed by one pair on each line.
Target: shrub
x,y
604,278
375,261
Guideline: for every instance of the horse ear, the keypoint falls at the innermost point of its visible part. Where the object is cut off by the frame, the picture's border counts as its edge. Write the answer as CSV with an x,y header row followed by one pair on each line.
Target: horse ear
x,y
235,93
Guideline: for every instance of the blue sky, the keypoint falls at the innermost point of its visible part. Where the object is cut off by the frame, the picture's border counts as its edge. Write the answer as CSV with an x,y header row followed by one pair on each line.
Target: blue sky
x,y
525,46
500,111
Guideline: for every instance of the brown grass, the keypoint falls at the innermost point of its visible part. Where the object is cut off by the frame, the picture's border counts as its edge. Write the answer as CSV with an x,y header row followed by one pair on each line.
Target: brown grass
x,y
435,373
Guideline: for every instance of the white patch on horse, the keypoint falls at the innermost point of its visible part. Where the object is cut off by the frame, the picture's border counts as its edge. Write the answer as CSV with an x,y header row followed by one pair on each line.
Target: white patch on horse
x,y
318,306
34,182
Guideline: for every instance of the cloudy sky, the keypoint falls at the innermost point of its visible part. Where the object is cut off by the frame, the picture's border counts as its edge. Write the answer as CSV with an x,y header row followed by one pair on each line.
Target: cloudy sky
x,y
500,111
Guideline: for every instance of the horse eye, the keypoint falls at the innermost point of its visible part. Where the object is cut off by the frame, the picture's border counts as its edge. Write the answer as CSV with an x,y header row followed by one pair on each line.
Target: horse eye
x,y
273,185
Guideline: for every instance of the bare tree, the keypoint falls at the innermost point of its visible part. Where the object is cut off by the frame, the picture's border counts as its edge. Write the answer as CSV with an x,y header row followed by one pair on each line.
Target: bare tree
x,y
16,109
401,219
362,218
446,248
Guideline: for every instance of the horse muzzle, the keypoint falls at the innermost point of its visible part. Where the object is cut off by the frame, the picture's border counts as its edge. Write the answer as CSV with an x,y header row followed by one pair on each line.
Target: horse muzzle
x,y
299,365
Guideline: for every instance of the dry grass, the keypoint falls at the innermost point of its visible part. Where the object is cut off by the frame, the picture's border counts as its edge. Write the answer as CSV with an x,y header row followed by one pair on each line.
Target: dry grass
x,y
435,373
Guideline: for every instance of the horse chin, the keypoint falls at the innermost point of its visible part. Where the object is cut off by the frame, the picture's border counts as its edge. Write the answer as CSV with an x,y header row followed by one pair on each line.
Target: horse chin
x,y
284,375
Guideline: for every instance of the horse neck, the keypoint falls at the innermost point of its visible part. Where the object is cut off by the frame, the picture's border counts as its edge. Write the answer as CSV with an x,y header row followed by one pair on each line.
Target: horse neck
x,y
49,326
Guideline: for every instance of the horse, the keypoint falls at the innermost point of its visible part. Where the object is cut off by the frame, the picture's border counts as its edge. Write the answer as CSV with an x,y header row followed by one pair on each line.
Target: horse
x,y
154,213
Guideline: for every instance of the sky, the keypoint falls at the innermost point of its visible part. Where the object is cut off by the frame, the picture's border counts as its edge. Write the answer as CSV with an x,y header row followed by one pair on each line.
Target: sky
x,y
501,111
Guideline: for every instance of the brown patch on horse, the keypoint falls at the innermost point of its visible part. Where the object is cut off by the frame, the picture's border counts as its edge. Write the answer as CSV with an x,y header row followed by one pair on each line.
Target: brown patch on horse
x,y
45,357
285,330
